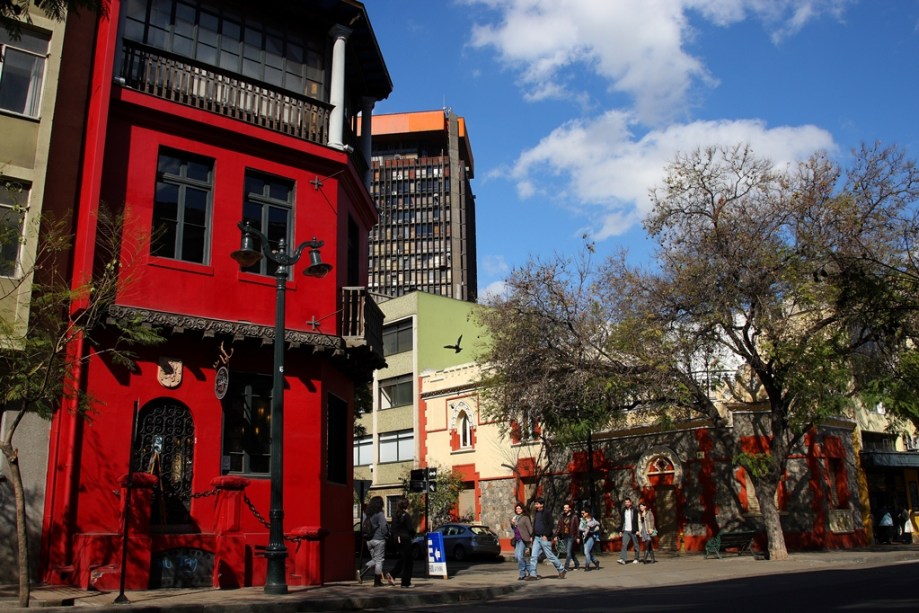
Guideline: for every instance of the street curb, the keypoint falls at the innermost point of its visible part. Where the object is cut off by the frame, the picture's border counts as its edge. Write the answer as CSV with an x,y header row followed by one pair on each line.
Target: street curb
x,y
309,601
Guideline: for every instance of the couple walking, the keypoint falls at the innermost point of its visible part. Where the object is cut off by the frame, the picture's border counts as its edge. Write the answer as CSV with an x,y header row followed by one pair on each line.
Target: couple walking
x,y
637,524
538,535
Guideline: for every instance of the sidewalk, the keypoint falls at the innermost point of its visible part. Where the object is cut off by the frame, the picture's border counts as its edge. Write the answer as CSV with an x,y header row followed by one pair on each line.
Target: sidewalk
x,y
478,582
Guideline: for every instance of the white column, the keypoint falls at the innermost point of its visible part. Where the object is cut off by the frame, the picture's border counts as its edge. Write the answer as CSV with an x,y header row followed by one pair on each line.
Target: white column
x,y
366,140
337,87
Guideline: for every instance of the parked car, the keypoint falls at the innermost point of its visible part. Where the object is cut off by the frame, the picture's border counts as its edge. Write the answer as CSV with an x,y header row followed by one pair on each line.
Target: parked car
x,y
462,541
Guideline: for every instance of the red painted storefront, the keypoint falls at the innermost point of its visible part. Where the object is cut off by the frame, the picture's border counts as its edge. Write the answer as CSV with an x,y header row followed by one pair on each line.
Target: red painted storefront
x,y
208,310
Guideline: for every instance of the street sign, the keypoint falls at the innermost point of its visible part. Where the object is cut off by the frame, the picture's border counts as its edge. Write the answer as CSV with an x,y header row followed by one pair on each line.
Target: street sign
x,y
437,557
432,474
417,474
416,485
432,486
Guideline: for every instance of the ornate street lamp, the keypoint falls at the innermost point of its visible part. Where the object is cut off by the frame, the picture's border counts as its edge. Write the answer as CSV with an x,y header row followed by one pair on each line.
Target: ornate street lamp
x,y
247,255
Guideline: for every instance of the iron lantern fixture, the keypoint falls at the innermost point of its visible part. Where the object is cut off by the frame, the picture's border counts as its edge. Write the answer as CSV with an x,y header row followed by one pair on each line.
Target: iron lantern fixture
x,y
253,247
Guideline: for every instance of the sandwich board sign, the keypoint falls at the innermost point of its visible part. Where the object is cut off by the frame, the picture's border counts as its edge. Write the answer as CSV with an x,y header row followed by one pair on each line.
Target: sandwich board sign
x,y
437,558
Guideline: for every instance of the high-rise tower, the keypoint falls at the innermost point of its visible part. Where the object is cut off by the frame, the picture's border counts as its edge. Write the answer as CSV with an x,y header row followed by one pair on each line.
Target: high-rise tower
x,y
425,240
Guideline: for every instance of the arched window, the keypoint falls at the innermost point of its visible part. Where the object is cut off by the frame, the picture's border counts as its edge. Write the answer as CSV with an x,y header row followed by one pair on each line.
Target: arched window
x,y
464,430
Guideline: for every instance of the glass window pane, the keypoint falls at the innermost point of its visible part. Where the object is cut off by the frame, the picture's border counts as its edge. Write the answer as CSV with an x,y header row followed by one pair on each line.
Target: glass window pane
x,y
169,164
231,32
10,232
277,224
161,13
279,190
195,206
208,25
198,170
193,238
20,82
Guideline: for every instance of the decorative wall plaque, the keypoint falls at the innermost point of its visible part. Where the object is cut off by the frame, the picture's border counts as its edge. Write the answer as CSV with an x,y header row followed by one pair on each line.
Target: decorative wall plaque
x,y
221,382
169,372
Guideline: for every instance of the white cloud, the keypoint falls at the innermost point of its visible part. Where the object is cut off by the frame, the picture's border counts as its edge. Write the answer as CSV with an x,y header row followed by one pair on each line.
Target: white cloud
x,y
494,265
498,289
636,46
600,169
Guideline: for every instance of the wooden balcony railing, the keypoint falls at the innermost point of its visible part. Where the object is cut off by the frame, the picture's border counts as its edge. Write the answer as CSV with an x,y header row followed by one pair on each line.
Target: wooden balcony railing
x,y
361,319
180,79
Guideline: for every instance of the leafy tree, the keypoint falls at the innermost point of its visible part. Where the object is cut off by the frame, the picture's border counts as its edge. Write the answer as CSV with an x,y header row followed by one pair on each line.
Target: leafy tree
x,y
785,280
13,13
38,358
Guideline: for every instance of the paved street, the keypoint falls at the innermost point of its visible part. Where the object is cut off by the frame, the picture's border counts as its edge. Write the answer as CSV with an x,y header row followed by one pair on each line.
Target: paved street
x,y
852,588
880,578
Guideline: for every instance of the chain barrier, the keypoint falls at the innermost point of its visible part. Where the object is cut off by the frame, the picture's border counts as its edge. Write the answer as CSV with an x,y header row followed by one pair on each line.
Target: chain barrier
x,y
212,492
266,523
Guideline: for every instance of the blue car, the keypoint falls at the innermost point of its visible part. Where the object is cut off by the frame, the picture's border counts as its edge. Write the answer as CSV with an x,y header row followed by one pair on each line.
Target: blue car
x,y
462,541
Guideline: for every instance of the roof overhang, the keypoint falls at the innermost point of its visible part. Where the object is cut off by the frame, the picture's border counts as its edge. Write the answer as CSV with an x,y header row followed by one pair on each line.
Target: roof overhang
x,y
890,459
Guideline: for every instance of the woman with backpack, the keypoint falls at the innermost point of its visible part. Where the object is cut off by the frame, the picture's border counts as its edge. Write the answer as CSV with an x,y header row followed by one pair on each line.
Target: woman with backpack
x,y
375,530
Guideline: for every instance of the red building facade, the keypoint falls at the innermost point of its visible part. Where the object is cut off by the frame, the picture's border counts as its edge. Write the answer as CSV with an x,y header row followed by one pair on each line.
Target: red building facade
x,y
197,115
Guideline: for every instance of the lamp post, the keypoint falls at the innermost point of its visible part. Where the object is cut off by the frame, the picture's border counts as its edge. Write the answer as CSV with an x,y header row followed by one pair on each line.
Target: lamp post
x,y
247,255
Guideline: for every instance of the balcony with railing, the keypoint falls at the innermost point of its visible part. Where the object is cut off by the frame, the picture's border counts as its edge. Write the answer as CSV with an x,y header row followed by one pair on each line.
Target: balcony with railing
x,y
362,324
183,80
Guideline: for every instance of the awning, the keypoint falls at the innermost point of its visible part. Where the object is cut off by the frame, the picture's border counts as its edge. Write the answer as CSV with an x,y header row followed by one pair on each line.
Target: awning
x,y
890,459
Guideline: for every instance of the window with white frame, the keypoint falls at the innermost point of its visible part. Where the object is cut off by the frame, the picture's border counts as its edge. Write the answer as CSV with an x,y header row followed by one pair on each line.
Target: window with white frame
x,y
22,71
464,430
14,197
396,392
397,446
363,450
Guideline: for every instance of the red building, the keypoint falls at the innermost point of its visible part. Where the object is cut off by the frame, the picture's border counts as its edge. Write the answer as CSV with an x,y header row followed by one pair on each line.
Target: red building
x,y
190,116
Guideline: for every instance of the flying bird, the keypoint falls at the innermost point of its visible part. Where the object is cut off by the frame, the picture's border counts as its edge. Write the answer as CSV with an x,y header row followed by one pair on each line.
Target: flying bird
x,y
456,348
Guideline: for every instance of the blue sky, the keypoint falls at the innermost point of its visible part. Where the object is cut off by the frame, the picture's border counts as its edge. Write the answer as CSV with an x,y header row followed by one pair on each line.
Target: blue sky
x,y
574,107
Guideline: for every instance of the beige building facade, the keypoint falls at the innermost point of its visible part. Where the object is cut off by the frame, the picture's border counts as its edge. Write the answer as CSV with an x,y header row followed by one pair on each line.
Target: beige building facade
x,y
29,74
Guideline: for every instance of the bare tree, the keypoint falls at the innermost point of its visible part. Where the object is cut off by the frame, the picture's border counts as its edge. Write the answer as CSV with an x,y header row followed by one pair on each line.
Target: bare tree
x,y
37,360
781,277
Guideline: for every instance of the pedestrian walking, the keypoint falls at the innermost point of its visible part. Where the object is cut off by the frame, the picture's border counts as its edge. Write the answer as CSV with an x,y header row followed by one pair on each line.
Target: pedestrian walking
x,y
523,536
647,530
403,526
542,540
375,530
589,529
629,531
907,529
568,536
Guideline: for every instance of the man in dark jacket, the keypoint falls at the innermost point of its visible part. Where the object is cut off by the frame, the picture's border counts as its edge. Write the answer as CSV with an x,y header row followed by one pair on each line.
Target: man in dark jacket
x,y
629,530
567,534
543,533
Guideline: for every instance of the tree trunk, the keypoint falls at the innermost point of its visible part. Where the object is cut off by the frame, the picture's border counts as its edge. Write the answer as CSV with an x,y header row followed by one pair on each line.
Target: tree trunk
x,y
22,531
775,537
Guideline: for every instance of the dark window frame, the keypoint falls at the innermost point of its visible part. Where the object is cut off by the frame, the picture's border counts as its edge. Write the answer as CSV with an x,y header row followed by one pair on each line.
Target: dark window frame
x,y
247,403
268,205
398,337
183,184
397,392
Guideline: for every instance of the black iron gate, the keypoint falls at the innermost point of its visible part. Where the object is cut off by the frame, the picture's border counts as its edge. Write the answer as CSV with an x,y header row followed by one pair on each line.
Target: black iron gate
x,y
165,446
